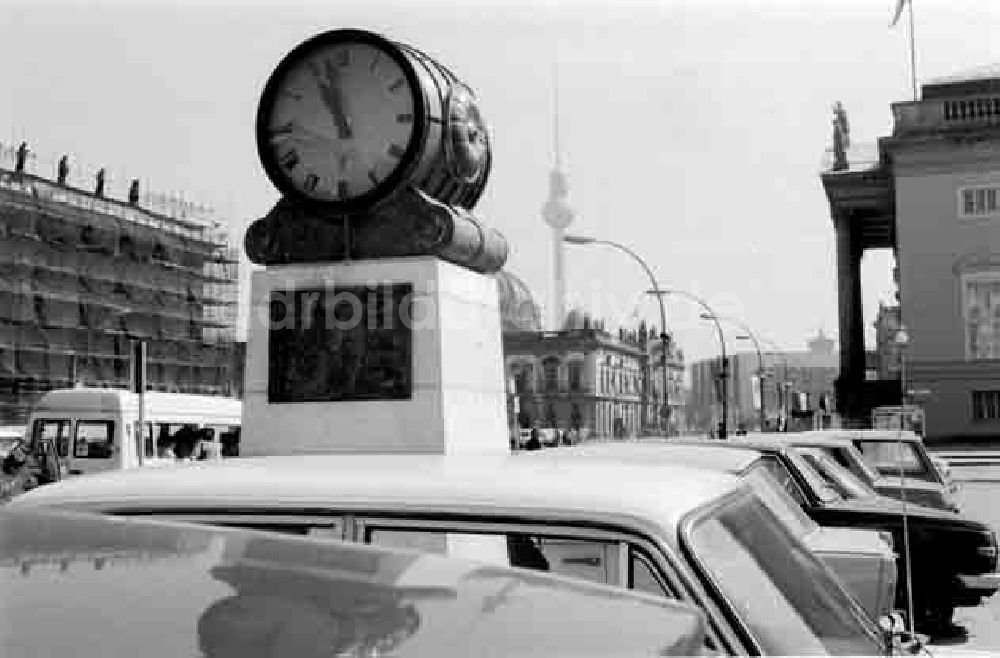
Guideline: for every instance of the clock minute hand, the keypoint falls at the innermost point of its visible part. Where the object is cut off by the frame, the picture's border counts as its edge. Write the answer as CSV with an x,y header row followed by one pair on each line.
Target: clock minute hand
x,y
333,97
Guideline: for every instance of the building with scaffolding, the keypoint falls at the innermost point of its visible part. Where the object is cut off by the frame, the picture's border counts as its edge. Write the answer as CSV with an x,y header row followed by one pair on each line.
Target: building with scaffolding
x,y
84,275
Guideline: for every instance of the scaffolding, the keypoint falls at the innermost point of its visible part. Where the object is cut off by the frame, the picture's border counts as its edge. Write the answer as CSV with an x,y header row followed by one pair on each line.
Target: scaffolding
x,y
83,275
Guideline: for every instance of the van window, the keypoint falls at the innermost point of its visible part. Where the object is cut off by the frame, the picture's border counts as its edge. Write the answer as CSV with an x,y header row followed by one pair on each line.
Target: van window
x,y
230,441
94,439
53,430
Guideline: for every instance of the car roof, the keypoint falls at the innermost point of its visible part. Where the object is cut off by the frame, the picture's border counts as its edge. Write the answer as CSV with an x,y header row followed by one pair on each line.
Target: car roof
x,y
818,438
562,486
868,435
87,586
709,455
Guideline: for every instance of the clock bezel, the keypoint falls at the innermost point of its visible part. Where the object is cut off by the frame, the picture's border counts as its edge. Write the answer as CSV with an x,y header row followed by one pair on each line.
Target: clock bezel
x,y
407,162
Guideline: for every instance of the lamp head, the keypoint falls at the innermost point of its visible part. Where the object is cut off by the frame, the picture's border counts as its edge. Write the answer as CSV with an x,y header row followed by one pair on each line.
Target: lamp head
x,y
578,239
902,337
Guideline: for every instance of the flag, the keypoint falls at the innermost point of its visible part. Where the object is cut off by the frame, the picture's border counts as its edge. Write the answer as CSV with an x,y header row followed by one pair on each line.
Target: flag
x,y
900,4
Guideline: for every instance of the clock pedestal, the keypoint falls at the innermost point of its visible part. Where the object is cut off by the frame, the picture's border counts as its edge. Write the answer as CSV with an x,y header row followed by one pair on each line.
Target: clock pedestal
x,y
398,355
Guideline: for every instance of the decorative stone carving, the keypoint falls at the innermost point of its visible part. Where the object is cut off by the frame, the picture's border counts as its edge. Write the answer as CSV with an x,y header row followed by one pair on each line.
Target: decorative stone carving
x,y
413,224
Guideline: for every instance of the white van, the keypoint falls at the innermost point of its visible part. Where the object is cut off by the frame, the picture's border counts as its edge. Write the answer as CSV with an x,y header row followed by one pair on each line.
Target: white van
x,y
95,429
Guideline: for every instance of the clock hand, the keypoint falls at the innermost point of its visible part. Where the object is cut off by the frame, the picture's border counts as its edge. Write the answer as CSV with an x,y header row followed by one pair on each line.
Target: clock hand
x,y
333,97
296,131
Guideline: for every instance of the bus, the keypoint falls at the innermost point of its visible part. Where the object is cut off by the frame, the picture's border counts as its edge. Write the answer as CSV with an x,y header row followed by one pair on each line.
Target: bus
x,y
96,429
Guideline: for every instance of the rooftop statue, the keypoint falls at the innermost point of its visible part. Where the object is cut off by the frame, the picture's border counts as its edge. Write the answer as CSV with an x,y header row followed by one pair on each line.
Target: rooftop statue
x,y
841,137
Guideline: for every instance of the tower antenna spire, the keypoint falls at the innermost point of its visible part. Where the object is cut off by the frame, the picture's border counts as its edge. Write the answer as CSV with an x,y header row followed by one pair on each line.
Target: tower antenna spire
x,y
555,115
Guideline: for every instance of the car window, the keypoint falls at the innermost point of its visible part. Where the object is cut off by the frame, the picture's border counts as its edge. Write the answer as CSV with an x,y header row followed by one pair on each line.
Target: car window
x,y
94,439
850,458
784,479
791,602
816,482
784,506
888,457
846,484
593,560
645,578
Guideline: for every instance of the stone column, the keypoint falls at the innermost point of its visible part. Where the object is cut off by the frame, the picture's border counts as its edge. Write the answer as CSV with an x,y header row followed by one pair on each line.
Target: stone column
x,y
850,311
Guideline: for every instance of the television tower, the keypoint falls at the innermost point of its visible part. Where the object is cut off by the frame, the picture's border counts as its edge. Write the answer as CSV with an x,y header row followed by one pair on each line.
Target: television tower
x,y
558,215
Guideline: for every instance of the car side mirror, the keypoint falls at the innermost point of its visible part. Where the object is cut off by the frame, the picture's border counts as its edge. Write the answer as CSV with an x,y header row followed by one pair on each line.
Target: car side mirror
x,y
900,640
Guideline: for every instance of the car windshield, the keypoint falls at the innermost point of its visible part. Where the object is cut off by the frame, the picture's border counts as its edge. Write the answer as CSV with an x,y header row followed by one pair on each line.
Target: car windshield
x,y
784,507
845,482
821,488
790,602
889,457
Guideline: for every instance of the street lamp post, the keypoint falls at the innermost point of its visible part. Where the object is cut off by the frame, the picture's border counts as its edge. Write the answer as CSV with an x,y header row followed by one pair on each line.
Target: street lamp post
x,y
658,292
724,375
782,383
760,371
902,341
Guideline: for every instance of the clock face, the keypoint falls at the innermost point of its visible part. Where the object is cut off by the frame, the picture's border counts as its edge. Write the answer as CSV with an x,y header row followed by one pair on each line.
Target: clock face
x,y
338,119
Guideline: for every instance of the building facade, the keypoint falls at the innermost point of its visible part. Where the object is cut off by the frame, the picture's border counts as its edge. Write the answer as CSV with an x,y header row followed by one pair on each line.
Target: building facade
x,y
797,391
85,275
936,185
584,377
600,383
888,353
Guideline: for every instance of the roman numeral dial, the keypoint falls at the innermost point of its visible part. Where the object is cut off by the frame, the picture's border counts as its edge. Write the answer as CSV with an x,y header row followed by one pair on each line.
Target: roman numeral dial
x,y
340,119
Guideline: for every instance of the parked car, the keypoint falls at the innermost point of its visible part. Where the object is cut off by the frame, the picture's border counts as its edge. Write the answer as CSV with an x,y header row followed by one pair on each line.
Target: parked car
x,y
712,542
92,586
930,489
888,451
963,578
863,559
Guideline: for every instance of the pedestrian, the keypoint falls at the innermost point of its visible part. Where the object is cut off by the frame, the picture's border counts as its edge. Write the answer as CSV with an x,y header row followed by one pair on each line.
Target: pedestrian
x,y
186,442
533,442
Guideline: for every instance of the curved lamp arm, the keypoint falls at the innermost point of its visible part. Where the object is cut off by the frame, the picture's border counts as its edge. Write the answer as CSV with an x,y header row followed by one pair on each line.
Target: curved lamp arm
x,y
708,309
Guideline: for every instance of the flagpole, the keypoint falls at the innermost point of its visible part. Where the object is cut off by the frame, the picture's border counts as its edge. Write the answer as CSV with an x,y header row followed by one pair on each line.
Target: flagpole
x,y
913,57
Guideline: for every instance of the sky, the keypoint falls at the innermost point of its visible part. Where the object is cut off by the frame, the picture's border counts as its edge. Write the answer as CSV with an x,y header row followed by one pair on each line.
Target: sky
x,y
691,131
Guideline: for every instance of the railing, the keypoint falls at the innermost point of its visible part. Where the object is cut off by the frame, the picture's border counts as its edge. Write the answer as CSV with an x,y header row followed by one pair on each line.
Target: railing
x,y
916,117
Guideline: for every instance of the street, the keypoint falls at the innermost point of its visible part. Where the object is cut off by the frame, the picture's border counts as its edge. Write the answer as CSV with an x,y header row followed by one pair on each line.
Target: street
x,y
979,486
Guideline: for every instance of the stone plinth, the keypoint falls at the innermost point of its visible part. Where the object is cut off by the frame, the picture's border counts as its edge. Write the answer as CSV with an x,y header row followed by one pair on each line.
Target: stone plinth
x,y
456,402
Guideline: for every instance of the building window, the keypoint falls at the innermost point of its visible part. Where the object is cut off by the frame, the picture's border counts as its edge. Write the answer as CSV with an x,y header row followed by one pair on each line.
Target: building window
x,y
522,380
978,202
575,376
550,370
986,405
981,300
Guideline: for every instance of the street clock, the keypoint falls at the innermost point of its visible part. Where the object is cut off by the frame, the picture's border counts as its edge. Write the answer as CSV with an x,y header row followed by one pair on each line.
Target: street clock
x,y
349,118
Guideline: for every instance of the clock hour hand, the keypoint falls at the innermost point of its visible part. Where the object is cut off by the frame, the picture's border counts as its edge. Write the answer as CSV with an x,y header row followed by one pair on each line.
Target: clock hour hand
x,y
333,97
294,131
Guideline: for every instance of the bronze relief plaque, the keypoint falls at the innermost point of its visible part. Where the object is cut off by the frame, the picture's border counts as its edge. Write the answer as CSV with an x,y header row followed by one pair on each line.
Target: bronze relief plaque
x,y
340,344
